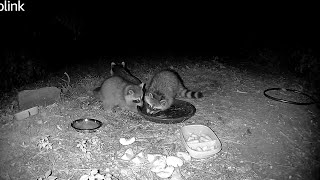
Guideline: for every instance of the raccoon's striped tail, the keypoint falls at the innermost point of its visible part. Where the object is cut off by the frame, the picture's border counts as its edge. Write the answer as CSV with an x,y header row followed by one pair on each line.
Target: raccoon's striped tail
x,y
191,94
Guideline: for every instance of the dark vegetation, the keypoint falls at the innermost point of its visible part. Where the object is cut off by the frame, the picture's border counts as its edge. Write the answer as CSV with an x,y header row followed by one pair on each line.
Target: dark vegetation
x,y
20,67
43,43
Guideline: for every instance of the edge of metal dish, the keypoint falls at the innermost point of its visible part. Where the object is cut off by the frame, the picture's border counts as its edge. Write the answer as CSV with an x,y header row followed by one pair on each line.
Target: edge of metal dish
x,y
170,121
86,130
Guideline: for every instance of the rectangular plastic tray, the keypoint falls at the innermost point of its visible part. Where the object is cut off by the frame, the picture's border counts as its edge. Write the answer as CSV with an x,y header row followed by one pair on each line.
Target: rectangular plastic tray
x,y
198,130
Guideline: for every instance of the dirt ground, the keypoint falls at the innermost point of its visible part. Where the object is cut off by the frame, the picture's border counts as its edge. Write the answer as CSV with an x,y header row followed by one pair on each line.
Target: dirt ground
x,y
261,138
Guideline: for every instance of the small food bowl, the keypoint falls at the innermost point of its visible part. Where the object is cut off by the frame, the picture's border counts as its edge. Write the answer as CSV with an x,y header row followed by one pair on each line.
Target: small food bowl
x,y
86,125
26,113
200,141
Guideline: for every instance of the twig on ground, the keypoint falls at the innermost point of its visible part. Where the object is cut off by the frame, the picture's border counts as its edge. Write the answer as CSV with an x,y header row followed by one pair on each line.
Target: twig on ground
x,y
241,92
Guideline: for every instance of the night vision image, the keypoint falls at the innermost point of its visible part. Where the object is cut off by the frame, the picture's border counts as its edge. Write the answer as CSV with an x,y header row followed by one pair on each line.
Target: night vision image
x,y
149,91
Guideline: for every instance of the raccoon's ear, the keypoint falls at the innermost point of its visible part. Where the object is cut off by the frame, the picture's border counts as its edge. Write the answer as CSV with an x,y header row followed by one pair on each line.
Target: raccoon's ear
x,y
130,92
163,102
123,64
112,64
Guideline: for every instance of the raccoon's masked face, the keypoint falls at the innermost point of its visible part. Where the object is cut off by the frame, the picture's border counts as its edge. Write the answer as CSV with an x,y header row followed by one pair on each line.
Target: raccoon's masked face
x,y
134,94
155,103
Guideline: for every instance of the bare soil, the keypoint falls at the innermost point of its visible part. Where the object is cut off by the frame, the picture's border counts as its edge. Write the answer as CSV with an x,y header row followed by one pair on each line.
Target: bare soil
x,y
261,138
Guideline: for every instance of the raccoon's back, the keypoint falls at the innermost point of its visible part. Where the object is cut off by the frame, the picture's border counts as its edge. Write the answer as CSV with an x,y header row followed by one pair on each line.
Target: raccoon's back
x,y
112,87
125,74
113,83
171,84
166,82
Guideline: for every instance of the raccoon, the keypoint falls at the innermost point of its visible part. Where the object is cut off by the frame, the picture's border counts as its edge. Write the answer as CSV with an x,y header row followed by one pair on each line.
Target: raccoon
x,y
122,71
163,88
116,92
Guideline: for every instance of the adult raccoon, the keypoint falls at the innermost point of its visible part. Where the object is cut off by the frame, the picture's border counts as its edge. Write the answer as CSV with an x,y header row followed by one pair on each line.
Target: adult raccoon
x,y
116,92
122,71
163,88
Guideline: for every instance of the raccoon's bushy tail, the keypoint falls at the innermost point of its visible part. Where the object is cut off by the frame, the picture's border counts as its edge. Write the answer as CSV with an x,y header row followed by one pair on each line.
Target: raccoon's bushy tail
x,y
190,94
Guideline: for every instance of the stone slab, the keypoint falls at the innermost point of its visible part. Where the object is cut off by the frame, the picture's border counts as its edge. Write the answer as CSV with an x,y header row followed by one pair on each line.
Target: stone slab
x,y
38,97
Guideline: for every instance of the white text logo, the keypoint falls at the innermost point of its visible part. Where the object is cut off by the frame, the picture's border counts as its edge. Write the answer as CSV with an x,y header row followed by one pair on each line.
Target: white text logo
x,y
9,6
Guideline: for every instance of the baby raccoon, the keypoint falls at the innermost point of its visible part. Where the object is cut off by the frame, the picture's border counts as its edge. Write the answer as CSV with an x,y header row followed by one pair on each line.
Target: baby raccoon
x,y
163,89
116,92
122,71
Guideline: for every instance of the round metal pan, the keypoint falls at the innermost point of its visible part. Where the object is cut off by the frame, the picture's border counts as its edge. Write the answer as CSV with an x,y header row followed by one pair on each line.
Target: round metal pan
x,y
177,113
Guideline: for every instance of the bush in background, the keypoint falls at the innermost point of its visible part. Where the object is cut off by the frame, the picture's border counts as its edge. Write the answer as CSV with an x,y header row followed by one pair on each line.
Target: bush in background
x,y
306,63
18,68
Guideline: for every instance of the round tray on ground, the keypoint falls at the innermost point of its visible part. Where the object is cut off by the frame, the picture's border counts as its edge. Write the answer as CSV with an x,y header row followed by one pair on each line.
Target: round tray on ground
x,y
306,96
177,113
86,125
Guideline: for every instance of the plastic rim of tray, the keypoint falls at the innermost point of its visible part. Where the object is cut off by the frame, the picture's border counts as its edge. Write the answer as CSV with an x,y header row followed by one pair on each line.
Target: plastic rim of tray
x,y
82,125
187,111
